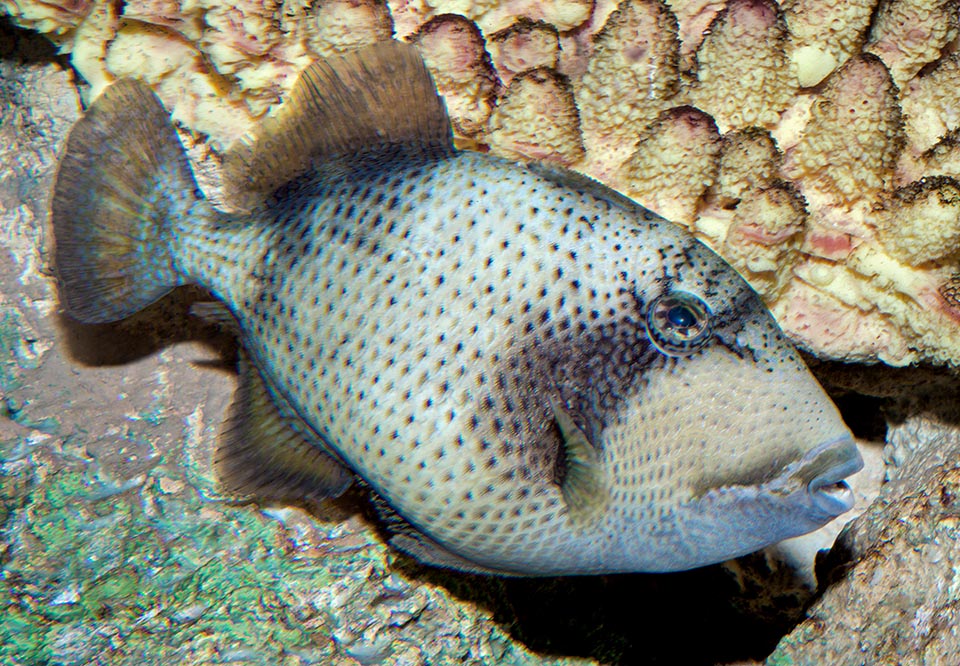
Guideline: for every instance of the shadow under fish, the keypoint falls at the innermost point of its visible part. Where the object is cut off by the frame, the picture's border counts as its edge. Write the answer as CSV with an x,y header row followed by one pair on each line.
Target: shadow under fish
x,y
532,373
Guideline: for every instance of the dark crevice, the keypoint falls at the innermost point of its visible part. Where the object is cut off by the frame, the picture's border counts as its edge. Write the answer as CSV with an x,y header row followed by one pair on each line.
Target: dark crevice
x,y
864,415
24,47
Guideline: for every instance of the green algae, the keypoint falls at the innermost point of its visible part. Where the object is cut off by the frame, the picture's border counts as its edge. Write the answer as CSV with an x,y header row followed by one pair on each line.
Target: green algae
x,y
156,576
11,356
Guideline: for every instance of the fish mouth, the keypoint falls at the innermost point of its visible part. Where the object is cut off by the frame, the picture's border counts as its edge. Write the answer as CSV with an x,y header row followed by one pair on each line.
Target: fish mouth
x,y
825,469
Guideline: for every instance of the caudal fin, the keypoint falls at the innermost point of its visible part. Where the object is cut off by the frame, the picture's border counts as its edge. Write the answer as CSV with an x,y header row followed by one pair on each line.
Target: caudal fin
x,y
123,179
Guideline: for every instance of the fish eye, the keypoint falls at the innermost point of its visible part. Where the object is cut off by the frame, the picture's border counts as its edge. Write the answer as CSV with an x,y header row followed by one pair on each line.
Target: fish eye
x,y
678,323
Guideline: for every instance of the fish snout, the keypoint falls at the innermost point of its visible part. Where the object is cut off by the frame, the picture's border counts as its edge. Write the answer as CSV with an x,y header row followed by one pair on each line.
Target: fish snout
x,y
825,470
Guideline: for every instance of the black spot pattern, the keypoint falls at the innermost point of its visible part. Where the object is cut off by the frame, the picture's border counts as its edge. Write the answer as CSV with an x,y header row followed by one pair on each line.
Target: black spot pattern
x,y
423,317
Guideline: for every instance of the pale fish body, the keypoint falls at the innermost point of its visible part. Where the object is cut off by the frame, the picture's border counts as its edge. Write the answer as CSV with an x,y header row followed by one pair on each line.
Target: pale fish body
x,y
533,374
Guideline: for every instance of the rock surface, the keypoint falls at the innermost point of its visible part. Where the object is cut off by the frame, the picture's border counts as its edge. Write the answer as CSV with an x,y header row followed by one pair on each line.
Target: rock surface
x,y
894,574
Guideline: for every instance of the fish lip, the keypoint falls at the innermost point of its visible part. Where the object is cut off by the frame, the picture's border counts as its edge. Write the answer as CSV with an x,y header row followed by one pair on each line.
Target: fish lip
x,y
825,469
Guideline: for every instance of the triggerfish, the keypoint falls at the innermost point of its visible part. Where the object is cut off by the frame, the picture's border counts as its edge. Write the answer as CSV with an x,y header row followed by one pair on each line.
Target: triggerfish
x,y
532,374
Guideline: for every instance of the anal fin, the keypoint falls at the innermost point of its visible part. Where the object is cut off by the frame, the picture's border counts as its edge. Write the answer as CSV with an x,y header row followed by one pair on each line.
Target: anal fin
x,y
265,452
216,313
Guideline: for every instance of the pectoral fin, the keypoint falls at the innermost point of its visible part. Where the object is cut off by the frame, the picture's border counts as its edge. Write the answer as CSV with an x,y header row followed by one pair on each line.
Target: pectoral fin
x,y
266,452
581,478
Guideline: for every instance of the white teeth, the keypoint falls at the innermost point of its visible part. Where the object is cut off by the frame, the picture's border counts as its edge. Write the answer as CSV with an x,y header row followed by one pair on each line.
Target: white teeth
x,y
839,491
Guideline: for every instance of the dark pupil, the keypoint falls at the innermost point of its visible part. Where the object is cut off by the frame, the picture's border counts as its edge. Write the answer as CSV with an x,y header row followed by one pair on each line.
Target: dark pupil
x,y
681,316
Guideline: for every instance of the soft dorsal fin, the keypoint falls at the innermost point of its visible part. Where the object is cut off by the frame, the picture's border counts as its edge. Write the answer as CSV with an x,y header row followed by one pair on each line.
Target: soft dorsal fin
x,y
363,102
262,453
582,482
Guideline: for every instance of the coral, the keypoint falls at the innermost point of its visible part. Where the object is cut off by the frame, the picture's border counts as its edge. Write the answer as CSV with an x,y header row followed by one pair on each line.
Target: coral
x,y
848,106
824,34
524,45
749,159
908,34
929,103
767,226
742,74
454,50
537,117
632,72
856,121
675,163
922,222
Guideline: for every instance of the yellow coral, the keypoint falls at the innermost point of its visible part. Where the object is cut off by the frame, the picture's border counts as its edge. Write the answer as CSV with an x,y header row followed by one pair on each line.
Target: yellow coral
x,y
631,75
766,229
851,144
537,118
908,34
742,75
749,159
921,223
524,45
824,34
453,49
52,18
930,103
944,158
674,164
148,52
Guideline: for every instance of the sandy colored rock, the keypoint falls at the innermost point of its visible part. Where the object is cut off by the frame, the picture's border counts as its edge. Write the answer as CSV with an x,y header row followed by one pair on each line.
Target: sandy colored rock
x,y
742,74
895,570
674,164
537,118
856,121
